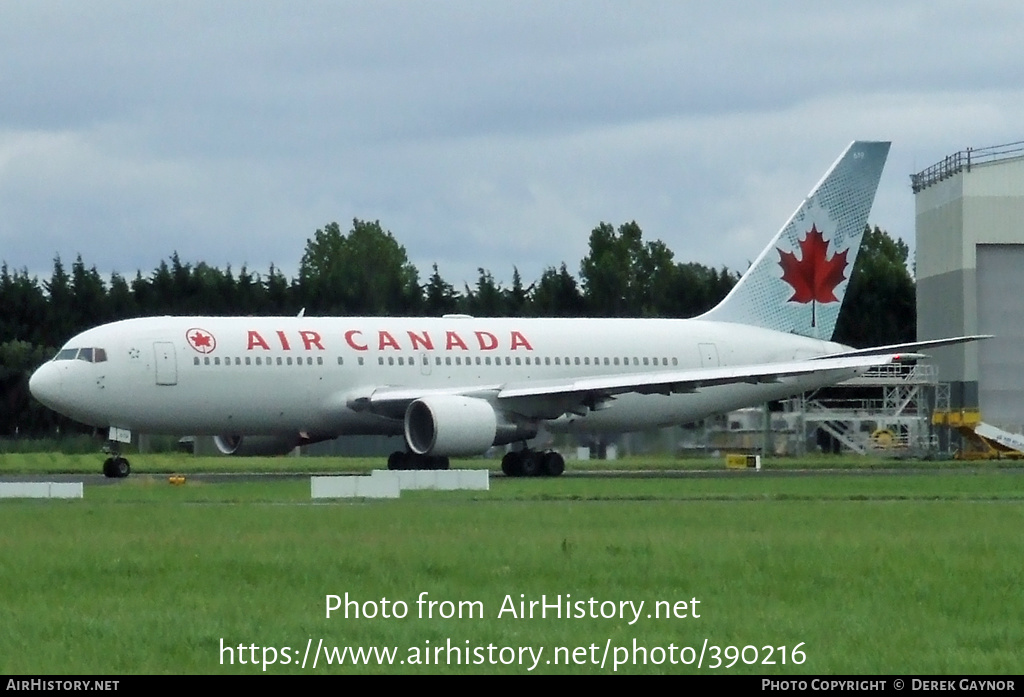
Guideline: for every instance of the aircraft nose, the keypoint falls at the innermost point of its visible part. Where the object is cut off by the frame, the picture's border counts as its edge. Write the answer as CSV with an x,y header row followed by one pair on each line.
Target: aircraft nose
x,y
45,384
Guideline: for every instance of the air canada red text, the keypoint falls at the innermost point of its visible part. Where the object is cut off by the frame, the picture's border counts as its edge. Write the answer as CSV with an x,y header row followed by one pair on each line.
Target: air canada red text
x,y
383,340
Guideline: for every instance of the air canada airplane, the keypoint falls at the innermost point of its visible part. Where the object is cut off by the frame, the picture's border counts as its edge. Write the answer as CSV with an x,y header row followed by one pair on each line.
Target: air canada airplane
x,y
458,385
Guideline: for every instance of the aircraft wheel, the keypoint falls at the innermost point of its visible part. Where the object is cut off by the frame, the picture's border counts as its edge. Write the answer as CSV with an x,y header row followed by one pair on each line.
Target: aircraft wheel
x,y
108,468
511,464
531,464
554,463
396,460
121,468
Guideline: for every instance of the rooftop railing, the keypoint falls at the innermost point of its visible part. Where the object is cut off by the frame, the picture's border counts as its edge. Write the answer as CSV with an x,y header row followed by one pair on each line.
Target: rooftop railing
x,y
962,161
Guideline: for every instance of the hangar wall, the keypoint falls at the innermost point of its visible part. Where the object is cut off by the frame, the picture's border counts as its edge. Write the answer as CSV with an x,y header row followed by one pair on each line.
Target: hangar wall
x,y
970,276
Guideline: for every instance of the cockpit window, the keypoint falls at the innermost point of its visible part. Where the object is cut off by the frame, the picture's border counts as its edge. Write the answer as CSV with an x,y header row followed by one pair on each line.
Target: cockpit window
x,y
89,355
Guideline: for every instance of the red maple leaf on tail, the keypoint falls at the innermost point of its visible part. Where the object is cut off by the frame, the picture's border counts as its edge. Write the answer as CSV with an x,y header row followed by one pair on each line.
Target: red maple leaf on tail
x,y
814,277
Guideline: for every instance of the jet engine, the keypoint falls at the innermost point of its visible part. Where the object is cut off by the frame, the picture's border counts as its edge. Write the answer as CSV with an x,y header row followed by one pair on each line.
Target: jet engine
x,y
450,425
248,446
453,425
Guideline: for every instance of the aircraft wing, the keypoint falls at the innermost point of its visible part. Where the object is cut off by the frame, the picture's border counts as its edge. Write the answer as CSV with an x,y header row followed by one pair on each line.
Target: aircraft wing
x,y
574,393
694,379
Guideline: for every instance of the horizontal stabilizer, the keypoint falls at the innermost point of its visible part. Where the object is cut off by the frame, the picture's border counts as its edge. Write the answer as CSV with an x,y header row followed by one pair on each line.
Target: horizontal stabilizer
x,y
912,347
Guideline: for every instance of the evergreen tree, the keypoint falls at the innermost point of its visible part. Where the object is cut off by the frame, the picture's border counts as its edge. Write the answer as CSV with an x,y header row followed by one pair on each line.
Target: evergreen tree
x,y
881,301
441,296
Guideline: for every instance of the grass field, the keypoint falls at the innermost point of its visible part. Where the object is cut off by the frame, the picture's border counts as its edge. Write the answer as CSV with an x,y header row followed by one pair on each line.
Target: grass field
x,y
164,463
859,573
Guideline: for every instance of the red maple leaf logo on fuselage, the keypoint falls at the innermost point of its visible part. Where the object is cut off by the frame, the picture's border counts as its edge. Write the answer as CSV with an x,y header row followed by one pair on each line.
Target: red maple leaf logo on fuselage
x,y
814,277
201,340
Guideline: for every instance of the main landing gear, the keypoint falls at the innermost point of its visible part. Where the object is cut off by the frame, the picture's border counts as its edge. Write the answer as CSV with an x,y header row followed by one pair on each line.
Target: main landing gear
x,y
530,463
399,460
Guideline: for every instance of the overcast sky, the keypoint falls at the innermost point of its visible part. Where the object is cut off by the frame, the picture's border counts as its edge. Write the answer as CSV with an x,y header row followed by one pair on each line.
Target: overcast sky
x,y
482,134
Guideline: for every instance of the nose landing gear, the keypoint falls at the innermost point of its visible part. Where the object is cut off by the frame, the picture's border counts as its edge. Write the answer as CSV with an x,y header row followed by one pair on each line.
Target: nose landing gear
x,y
116,467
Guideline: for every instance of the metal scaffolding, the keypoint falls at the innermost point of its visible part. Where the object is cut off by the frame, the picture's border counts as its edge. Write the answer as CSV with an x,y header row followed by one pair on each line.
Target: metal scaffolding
x,y
885,411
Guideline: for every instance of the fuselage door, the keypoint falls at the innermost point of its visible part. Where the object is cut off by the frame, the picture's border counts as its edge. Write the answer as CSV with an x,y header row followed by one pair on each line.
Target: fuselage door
x,y
708,355
166,364
424,364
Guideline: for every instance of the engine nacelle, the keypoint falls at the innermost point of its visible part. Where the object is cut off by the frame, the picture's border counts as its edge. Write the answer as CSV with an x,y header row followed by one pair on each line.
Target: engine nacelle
x,y
450,425
248,446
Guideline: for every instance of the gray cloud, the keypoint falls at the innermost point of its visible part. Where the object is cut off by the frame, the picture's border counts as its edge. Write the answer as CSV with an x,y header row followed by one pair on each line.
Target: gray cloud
x,y
481,134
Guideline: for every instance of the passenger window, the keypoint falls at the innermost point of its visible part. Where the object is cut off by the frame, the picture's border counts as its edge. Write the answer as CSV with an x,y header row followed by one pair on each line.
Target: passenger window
x,y
248,361
519,361
206,361
259,360
645,361
279,361
195,361
360,360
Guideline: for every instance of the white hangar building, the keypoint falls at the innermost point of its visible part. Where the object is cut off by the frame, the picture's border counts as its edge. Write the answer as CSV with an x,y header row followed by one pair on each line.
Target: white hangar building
x,y
970,276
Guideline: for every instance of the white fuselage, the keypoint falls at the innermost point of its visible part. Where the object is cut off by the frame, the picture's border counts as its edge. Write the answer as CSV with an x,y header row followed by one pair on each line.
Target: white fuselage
x,y
269,375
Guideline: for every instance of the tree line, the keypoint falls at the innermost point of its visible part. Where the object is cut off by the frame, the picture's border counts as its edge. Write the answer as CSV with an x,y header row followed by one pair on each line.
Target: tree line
x,y
365,271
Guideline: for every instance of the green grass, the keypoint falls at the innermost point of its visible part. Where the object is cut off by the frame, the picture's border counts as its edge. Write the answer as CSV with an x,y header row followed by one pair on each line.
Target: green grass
x,y
164,463
916,573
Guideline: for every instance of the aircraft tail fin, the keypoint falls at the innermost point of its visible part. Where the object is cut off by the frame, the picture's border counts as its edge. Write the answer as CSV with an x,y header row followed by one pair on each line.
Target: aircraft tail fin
x,y
798,282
